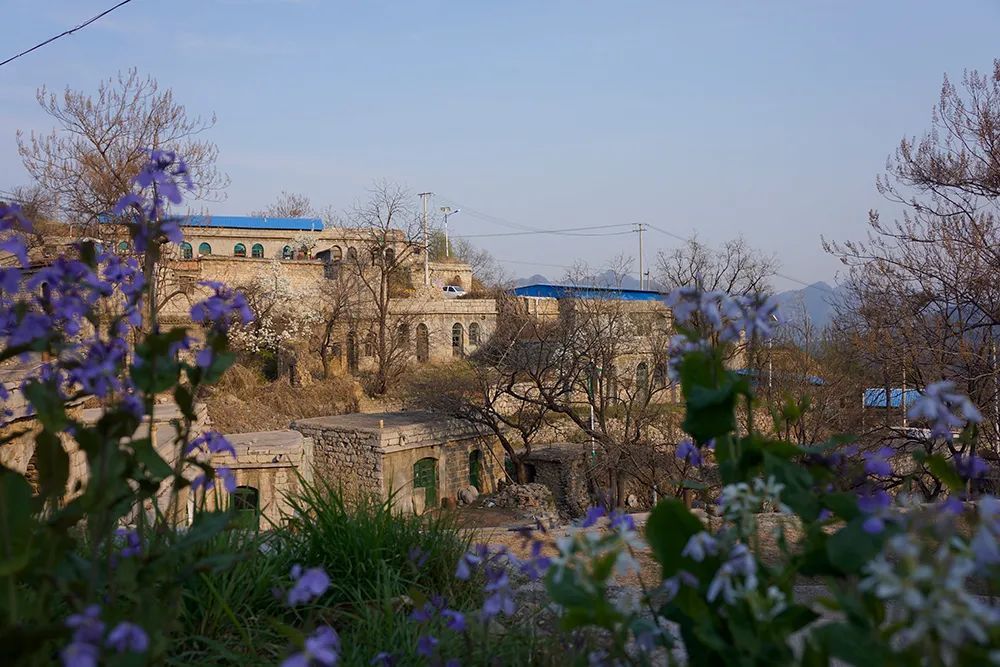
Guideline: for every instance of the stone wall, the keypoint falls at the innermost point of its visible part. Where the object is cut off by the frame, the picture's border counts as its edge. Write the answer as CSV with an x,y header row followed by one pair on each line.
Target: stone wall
x,y
350,459
441,316
562,467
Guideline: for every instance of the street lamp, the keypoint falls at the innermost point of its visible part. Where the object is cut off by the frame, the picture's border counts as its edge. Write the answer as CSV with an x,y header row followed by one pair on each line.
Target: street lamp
x,y
447,211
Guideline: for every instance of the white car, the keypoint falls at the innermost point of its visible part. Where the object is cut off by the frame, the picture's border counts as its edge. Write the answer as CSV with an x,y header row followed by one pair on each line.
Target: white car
x,y
453,291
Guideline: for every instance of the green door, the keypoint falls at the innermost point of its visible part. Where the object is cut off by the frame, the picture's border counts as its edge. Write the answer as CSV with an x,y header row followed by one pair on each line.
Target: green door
x,y
475,465
425,477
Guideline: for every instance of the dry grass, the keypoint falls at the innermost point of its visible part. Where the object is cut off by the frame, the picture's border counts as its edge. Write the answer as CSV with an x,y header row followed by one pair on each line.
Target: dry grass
x,y
244,401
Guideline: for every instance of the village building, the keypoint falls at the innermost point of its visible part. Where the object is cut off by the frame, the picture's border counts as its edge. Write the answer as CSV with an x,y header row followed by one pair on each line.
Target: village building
x,y
418,459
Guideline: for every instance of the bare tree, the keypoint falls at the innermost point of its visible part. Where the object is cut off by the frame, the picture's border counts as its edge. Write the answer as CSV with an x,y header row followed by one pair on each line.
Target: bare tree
x,y
923,303
734,267
288,205
483,392
390,240
86,163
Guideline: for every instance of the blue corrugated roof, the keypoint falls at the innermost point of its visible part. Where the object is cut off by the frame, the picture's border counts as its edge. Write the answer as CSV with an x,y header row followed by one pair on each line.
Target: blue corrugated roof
x,y
586,292
875,397
252,222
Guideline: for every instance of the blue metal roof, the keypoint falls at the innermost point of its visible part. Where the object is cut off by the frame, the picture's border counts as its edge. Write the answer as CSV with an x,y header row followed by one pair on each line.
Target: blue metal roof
x,y
252,222
586,292
875,397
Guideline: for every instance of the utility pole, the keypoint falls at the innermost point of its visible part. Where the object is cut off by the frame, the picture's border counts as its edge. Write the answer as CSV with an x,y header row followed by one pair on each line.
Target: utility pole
x,y
447,211
424,196
640,227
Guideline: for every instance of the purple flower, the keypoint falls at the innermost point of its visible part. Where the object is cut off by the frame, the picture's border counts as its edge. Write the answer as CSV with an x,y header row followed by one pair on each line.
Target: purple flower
x,y
213,442
426,644
501,597
79,654
309,584
621,522
952,505
417,556
207,482
699,546
133,543
470,560
384,659
322,647
971,467
87,626
222,309
536,565
688,452
876,463
593,514
455,620
128,637
946,409
876,504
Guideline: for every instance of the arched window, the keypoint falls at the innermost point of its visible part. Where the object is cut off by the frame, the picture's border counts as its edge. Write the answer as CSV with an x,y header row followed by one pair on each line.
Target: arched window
x,y
475,469
352,254
257,251
123,246
474,333
425,477
239,250
457,340
246,504
336,254
423,343
403,336
204,249
286,252
642,378
370,345
390,256
660,375
187,252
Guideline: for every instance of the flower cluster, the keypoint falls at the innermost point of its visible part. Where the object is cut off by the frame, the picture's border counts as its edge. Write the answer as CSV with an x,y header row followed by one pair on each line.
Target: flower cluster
x,y
309,585
946,409
740,502
725,315
88,638
322,647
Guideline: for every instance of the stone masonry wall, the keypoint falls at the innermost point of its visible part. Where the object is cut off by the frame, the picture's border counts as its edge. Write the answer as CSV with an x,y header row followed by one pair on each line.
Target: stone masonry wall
x,y
351,460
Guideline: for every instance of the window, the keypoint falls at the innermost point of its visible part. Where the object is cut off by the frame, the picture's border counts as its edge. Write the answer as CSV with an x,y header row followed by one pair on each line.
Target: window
x,y
423,343
257,251
370,345
123,246
352,254
390,256
457,340
336,254
474,333
246,504
352,351
239,250
403,336
286,252
187,252
642,378
660,375
204,249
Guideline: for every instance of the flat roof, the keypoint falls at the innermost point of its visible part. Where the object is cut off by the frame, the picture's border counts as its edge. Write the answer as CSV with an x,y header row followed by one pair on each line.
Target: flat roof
x,y
251,222
374,421
555,291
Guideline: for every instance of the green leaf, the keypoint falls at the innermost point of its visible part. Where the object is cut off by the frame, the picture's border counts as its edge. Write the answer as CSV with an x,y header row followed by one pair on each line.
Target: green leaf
x,y
851,644
943,470
668,530
53,464
851,546
147,455
15,522
798,492
48,404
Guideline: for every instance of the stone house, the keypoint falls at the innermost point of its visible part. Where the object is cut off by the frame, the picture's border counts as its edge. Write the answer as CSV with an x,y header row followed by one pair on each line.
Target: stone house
x,y
416,458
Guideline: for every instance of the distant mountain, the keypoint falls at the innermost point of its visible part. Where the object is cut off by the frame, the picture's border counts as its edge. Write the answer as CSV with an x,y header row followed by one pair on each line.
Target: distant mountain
x,y
815,301
531,280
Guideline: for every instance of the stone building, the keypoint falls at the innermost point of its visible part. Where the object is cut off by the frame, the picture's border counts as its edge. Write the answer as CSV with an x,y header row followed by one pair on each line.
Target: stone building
x,y
563,468
416,458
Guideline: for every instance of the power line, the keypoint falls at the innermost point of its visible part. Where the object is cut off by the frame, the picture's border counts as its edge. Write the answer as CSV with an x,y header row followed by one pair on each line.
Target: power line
x,y
566,231
65,33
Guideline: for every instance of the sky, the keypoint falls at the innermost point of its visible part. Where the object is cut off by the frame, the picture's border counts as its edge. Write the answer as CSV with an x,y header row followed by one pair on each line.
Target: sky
x,y
767,119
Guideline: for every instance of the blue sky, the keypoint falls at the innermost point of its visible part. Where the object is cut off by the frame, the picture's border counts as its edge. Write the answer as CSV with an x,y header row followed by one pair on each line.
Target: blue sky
x,y
768,119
